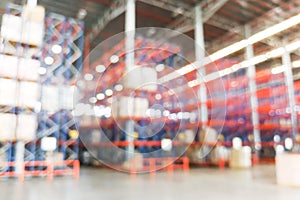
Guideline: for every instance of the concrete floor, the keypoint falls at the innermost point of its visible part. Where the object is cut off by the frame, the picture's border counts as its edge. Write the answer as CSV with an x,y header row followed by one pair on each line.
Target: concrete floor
x,y
204,183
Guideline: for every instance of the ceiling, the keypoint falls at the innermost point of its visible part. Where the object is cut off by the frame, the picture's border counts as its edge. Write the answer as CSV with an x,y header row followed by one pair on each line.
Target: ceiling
x,y
224,19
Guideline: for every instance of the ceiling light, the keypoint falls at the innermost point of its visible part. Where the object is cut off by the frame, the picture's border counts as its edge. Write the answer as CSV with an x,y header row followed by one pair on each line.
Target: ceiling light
x,y
93,100
160,67
277,28
81,14
100,68
296,64
118,87
42,70
88,77
109,92
286,24
279,69
100,96
57,49
114,59
49,60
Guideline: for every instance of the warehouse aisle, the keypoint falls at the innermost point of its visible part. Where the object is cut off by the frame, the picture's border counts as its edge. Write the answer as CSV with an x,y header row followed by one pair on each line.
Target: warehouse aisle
x,y
258,183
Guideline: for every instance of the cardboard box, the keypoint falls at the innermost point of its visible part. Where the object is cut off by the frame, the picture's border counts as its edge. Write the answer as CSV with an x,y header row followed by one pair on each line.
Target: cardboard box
x,y
8,89
288,169
7,126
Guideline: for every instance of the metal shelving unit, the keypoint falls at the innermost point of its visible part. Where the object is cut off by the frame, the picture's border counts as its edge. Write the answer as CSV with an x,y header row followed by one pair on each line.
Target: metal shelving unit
x,y
56,95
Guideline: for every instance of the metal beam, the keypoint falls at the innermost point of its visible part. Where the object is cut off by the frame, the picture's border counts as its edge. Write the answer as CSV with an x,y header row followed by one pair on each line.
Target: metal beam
x,y
289,81
251,72
200,55
239,29
117,8
129,64
211,7
180,7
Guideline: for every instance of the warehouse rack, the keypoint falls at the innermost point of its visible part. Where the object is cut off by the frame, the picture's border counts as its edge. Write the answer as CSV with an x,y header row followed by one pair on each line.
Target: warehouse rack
x,y
238,117
55,78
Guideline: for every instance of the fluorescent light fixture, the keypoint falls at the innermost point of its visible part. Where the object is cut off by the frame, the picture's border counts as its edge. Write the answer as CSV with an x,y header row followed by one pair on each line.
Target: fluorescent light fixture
x,y
228,50
100,68
292,46
277,28
296,64
279,69
88,77
255,60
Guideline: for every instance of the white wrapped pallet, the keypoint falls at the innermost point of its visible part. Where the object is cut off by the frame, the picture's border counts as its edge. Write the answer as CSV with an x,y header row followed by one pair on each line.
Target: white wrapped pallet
x,y
28,69
130,106
287,169
8,66
48,143
219,153
208,135
34,14
134,164
240,158
15,29
28,94
115,108
11,28
8,89
33,33
149,79
141,78
141,106
189,136
50,98
26,127
68,96
126,106
7,126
